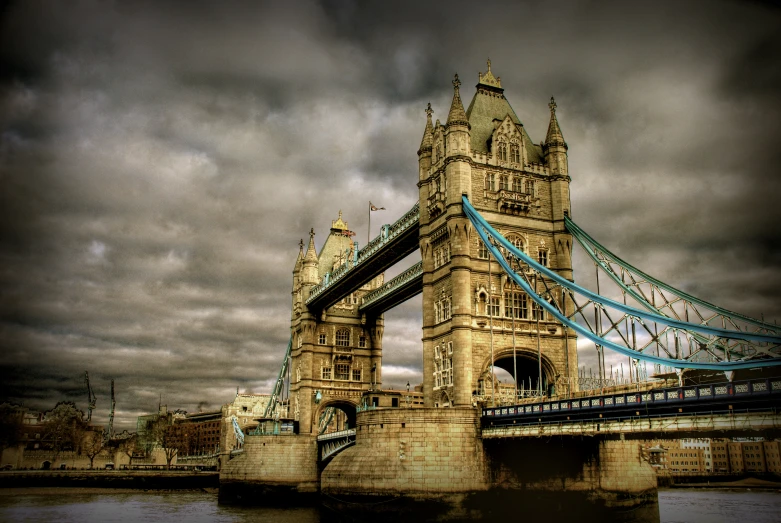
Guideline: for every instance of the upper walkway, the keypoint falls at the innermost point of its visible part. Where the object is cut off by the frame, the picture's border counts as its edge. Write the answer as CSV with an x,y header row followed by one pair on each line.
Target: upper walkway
x,y
394,243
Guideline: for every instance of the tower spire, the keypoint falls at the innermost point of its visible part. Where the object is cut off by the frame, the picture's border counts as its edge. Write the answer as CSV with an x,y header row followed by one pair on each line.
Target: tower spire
x,y
554,136
428,133
457,114
311,252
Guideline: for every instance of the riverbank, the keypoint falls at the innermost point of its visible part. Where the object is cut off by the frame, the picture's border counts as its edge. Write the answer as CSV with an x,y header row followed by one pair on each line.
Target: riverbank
x,y
743,483
109,479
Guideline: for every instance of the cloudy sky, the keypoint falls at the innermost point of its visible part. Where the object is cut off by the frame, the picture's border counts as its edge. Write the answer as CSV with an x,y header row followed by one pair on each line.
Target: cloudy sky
x,y
160,161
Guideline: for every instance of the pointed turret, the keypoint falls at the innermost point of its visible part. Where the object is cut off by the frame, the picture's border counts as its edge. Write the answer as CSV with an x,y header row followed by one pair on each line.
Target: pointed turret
x,y
428,133
554,136
309,271
457,115
555,148
300,258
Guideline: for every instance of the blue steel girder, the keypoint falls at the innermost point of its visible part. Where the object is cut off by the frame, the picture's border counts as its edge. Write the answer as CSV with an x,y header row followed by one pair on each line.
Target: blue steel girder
x,y
394,243
393,292
630,331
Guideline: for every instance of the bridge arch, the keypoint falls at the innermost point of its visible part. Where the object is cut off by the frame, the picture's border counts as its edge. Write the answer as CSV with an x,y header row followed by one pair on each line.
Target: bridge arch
x,y
526,365
346,406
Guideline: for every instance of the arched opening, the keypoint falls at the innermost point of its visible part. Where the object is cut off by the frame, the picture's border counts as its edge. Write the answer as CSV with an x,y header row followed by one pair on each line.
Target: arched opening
x,y
46,465
334,416
523,370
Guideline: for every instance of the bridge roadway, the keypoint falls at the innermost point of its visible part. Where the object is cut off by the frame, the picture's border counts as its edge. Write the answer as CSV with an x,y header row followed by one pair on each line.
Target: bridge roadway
x,y
394,243
721,409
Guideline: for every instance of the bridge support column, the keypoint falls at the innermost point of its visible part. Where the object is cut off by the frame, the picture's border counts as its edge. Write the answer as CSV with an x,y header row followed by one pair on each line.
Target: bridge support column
x,y
272,470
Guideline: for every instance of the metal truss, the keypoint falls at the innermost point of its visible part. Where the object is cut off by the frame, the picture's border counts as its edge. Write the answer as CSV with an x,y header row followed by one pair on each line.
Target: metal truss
x,y
666,300
276,394
325,418
392,286
639,333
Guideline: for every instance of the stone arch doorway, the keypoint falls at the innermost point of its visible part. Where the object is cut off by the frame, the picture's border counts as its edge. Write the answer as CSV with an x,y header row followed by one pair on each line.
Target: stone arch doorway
x,y
442,398
46,465
523,370
334,414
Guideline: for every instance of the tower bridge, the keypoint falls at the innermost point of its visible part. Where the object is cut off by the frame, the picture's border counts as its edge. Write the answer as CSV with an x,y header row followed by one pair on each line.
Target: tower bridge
x,y
495,232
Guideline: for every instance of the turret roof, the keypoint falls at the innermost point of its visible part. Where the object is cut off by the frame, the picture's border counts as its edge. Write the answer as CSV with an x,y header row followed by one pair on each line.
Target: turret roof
x,y
311,252
488,105
428,138
554,136
456,114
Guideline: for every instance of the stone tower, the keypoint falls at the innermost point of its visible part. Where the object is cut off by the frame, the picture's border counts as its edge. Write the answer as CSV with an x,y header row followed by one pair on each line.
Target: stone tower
x,y
469,307
336,355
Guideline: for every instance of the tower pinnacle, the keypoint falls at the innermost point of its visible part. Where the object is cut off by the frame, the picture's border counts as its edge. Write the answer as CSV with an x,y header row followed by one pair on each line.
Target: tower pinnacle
x,y
428,138
457,116
554,136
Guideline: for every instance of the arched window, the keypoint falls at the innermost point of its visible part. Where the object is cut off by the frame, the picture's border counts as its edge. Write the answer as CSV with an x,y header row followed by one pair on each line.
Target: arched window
x,y
517,184
502,153
482,250
517,242
515,153
489,181
505,183
342,338
530,187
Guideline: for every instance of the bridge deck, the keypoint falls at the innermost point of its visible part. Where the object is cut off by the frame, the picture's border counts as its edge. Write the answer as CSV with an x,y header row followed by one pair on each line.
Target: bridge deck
x,y
398,290
396,242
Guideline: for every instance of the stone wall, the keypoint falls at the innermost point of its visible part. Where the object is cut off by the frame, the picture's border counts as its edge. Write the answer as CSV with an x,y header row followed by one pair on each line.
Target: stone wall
x,y
415,452
271,467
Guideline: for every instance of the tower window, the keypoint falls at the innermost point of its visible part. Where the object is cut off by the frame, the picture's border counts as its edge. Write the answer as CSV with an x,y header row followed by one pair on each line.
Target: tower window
x,y
482,251
515,305
502,151
342,338
356,374
321,338
530,187
515,153
490,181
505,183
362,342
326,373
494,306
342,371
542,257
517,184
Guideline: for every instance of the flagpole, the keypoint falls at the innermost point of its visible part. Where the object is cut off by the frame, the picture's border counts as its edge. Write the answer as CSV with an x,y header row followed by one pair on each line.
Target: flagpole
x,y
369,231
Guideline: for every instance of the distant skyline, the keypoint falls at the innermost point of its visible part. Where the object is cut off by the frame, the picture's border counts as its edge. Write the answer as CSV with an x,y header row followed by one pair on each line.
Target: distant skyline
x,y
161,161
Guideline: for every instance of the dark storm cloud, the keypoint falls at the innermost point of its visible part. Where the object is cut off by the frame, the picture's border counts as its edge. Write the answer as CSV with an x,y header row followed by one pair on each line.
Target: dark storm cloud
x,y
159,163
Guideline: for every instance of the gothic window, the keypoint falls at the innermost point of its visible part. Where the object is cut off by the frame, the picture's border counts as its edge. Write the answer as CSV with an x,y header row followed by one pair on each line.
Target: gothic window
x,y
505,183
437,312
482,250
356,374
515,153
542,257
342,371
530,187
503,151
482,305
537,312
517,184
517,242
326,372
300,340
515,305
494,311
362,342
490,180
342,338
446,309
321,338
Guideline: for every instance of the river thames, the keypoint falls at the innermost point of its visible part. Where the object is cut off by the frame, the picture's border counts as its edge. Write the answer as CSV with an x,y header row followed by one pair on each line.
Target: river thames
x,y
72,506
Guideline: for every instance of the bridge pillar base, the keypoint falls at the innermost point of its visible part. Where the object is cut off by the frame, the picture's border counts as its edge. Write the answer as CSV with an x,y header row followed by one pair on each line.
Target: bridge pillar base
x,y
272,470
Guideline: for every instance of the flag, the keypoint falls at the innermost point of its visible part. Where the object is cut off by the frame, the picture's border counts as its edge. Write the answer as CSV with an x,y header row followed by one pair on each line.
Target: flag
x,y
373,208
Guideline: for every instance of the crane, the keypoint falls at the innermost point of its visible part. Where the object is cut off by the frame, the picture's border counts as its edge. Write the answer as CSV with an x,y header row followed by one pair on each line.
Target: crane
x,y
91,399
110,433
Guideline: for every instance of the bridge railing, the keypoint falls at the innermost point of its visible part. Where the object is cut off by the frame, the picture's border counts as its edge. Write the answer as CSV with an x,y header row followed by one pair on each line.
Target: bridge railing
x,y
389,286
336,435
388,234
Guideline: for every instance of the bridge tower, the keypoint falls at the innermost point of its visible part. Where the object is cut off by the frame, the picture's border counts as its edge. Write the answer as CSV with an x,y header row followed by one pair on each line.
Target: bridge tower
x,y
470,310
336,353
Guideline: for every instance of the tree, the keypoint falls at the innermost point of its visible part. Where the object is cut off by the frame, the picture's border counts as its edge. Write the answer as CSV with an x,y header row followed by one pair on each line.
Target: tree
x,y
93,444
164,436
63,427
129,446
